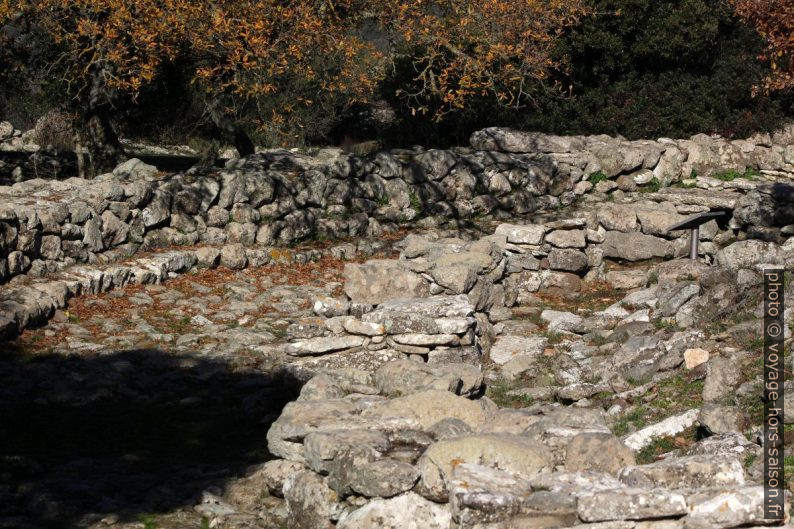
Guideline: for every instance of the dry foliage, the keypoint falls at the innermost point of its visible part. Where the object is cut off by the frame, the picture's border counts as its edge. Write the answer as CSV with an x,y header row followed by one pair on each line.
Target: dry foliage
x,y
464,48
249,49
774,20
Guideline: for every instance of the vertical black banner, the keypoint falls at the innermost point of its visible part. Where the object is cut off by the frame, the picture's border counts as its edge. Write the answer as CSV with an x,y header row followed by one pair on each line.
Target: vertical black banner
x,y
774,492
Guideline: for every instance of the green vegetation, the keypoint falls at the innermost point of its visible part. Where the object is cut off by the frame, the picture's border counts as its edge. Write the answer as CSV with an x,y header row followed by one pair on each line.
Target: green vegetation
x,y
650,453
640,68
730,175
149,521
684,185
278,332
634,418
673,395
652,186
553,337
788,469
499,393
598,339
658,447
677,394
416,204
596,177
662,323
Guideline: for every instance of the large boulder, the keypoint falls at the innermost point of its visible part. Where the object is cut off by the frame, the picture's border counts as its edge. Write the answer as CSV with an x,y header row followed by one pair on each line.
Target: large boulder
x,y
599,452
561,425
636,246
522,234
382,280
655,219
323,448
134,169
404,377
311,504
766,206
619,217
568,260
381,478
300,418
424,409
747,254
512,453
506,348
429,315
407,511
740,507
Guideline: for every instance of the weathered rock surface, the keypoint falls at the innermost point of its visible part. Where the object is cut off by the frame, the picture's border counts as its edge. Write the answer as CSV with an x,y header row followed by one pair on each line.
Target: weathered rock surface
x,y
512,453
407,511
378,281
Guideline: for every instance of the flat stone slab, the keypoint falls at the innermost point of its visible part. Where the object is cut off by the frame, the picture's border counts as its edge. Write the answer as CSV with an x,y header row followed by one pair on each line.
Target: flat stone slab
x,y
322,345
636,246
734,508
434,306
666,428
406,510
516,234
699,471
560,321
508,347
630,504
481,496
698,197
376,281
425,339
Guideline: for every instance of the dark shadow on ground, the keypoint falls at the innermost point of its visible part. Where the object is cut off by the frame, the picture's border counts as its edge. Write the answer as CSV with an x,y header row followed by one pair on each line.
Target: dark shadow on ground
x,y
126,433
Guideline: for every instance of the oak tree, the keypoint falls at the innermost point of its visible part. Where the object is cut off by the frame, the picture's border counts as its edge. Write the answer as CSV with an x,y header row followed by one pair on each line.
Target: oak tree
x,y
774,21
298,53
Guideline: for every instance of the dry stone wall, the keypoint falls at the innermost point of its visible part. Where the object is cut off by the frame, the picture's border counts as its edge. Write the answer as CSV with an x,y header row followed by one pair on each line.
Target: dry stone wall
x,y
277,198
414,442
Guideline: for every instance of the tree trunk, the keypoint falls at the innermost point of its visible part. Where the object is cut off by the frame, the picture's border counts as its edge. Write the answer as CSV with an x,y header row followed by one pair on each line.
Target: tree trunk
x,y
231,130
104,147
78,151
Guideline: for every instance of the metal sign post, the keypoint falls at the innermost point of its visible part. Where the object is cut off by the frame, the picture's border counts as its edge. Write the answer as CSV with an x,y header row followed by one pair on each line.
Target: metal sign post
x,y
693,224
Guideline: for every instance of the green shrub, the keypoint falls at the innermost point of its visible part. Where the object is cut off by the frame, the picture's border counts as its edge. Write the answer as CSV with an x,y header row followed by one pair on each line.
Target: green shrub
x,y
639,68
652,186
597,177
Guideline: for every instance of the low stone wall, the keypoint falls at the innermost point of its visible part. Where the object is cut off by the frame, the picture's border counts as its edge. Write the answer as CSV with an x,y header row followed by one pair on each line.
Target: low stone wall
x,y
35,300
443,299
638,162
282,197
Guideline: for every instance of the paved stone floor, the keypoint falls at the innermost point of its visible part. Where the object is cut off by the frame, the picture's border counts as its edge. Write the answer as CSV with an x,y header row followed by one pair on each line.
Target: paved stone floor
x,y
133,402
